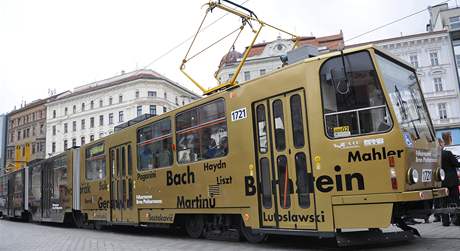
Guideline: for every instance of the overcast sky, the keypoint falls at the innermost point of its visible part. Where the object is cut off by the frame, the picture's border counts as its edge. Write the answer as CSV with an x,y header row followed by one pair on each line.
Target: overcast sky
x,y
61,44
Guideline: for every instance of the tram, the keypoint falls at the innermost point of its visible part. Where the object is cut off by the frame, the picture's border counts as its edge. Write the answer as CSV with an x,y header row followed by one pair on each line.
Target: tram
x,y
325,147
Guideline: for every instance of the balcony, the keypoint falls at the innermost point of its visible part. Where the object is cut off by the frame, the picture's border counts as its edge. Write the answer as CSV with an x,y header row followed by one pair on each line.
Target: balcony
x,y
440,95
446,122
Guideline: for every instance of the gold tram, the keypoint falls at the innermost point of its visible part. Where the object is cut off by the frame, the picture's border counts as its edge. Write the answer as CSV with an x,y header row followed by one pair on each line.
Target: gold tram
x,y
306,150
325,147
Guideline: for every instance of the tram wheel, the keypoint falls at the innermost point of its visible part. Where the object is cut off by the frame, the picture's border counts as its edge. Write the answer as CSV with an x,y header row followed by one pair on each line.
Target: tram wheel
x,y
250,235
194,226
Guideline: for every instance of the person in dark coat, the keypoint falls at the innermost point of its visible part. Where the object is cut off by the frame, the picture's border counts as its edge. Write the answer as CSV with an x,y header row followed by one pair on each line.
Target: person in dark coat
x,y
449,164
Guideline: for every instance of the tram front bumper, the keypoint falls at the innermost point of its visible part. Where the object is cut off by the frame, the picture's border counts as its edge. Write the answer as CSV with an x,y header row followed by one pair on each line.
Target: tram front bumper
x,y
379,210
390,197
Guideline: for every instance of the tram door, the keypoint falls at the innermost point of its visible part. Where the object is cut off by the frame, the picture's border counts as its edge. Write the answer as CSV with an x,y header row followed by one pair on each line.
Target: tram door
x,y
286,198
47,190
121,184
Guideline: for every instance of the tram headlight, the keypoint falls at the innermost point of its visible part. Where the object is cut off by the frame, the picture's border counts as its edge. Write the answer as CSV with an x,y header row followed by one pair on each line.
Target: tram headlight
x,y
412,176
441,174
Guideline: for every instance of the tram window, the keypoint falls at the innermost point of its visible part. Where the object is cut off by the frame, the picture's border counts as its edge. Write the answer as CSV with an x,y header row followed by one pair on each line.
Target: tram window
x,y
112,162
130,164
154,145
123,161
278,121
202,132
262,128
353,100
95,162
301,180
297,121
130,193
59,179
266,183
284,182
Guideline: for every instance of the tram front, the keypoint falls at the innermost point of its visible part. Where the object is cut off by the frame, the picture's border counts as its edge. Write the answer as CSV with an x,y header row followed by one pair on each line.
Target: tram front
x,y
422,170
387,162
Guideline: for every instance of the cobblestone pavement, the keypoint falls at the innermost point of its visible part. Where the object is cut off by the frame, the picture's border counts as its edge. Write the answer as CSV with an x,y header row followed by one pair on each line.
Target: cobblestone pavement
x,y
36,237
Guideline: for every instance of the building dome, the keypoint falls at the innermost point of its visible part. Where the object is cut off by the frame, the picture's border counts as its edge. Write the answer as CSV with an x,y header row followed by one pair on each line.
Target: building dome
x,y
231,57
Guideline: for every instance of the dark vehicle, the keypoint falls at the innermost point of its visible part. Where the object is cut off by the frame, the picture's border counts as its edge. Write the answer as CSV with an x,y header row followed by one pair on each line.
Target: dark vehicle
x,y
455,149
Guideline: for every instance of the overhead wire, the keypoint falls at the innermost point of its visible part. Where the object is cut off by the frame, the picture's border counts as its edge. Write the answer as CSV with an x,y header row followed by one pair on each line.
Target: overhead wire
x,y
392,22
188,39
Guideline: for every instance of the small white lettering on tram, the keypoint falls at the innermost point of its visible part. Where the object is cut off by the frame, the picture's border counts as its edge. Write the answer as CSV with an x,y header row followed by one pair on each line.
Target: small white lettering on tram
x,y
239,114
146,199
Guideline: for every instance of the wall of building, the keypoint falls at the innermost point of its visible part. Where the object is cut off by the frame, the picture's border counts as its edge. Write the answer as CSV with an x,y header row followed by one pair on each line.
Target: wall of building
x,y
26,134
439,81
3,132
167,97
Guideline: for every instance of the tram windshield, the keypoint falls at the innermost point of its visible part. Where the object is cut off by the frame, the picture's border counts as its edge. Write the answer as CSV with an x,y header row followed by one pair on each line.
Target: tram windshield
x,y
406,98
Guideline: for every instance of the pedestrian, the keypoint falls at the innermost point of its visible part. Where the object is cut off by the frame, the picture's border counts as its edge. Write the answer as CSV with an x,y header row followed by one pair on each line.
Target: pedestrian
x,y
449,164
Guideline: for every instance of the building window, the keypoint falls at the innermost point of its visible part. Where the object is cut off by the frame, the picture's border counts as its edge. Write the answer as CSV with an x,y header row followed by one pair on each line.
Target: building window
x,y
247,75
28,132
262,72
139,110
120,116
164,109
177,101
152,93
82,140
413,60
65,111
438,85
82,107
137,93
110,118
101,135
101,120
54,114
442,110
33,130
230,75
65,145
91,104
120,98
183,102
101,103
74,142
166,95
434,58
153,109
74,126
65,128
454,22
53,147
91,138
74,109
41,128
82,124
91,122
54,130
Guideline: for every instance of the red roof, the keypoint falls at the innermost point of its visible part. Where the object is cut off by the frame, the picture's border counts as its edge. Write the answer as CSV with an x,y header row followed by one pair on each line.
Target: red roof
x,y
333,42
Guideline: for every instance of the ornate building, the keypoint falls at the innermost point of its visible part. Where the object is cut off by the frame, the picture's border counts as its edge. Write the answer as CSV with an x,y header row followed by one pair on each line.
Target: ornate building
x,y
432,55
265,57
92,111
26,134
